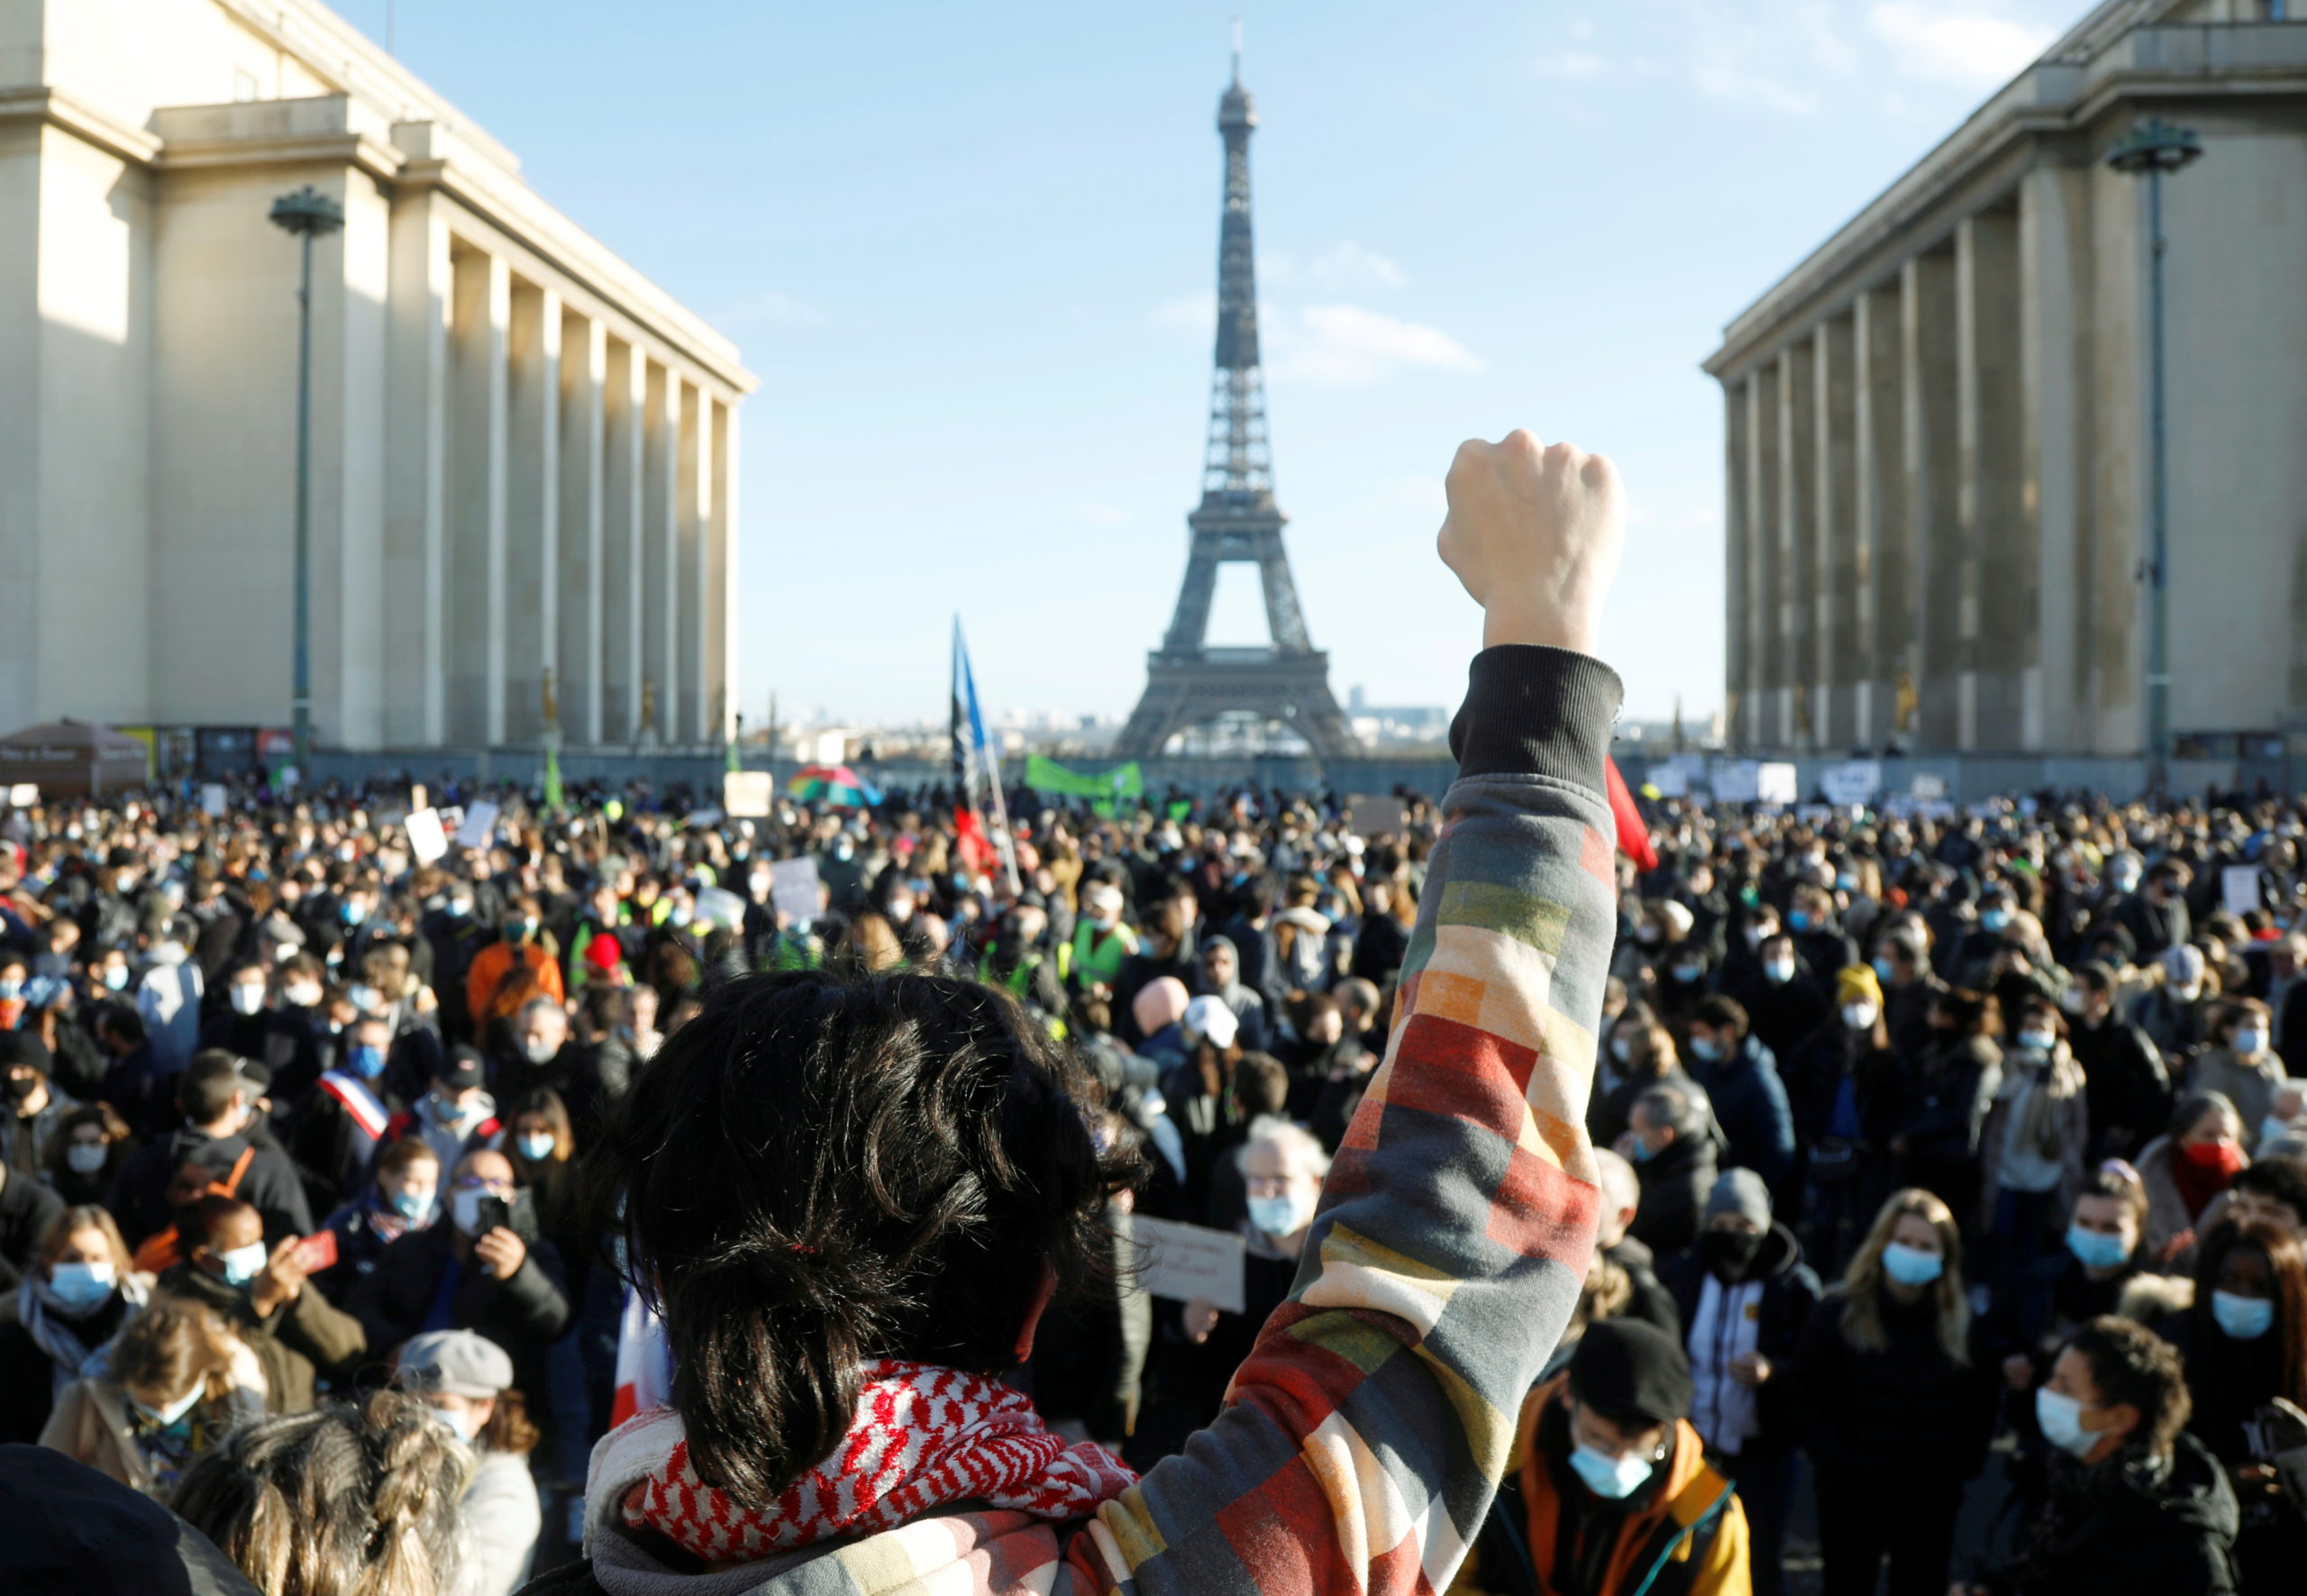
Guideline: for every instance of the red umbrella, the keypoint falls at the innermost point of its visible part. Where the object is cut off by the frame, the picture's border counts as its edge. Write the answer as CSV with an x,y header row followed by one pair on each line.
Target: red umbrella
x,y
1633,836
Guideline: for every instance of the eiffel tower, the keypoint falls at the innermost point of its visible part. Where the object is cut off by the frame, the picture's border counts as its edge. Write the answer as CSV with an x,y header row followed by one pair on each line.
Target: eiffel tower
x,y
1188,682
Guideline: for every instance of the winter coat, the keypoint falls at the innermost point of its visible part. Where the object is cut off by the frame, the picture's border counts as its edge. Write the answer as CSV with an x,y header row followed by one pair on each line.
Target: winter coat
x,y
2167,1220
295,1343
1791,1289
498,1520
2127,1090
26,1208
91,1423
1908,1411
1750,1105
2068,1134
139,1199
1675,1184
2247,1083
2124,1528
523,1313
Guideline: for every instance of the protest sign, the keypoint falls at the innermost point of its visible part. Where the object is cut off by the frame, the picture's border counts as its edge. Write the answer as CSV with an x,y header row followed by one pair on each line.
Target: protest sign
x,y
748,794
1853,783
427,840
479,828
2238,887
1775,783
1928,786
212,799
1375,816
1189,1262
793,888
1737,781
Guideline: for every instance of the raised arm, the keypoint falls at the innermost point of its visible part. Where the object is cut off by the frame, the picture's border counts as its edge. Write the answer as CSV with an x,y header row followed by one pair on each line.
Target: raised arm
x,y
1362,1440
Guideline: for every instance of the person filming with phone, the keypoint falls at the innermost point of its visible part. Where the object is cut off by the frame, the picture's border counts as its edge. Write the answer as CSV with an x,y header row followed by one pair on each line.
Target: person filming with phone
x,y
488,1270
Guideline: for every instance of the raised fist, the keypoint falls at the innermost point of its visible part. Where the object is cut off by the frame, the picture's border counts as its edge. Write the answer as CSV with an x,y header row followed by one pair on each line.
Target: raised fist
x,y
1534,533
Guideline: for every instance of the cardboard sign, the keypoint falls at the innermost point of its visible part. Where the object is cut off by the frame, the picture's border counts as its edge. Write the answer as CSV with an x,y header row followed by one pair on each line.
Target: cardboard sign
x,y
1189,1262
748,794
24,795
1671,780
1775,784
479,829
793,888
2239,886
1855,782
427,840
1737,781
212,800
720,909
1928,786
1375,816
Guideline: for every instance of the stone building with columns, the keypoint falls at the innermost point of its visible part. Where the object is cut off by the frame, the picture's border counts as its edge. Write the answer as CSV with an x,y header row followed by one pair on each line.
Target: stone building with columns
x,y
524,452
1937,444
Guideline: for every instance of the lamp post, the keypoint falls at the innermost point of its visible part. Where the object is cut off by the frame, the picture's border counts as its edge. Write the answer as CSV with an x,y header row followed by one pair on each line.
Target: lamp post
x,y
2152,147
308,214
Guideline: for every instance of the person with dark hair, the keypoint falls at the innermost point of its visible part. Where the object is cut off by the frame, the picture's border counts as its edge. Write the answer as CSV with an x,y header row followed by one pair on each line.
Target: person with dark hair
x,y
2273,1190
2242,1064
334,1134
1609,1484
216,1100
31,1105
2126,1089
1740,1077
468,1384
1743,1296
1911,991
2136,1507
336,1499
1670,1141
897,1180
601,1061
1843,1086
2245,1344
27,1208
74,1531
403,1194
260,1294
2033,1145
1947,1099
1782,998
90,1144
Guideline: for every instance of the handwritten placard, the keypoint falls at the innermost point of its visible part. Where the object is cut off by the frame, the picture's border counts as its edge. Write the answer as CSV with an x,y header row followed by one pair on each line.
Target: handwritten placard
x,y
1189,1262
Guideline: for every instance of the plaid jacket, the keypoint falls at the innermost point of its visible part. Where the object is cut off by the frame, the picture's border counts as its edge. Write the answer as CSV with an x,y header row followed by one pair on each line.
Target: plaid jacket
x,y
1365,1435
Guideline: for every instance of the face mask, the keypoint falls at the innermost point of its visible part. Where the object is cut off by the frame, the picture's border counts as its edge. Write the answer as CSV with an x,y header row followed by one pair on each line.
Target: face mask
x,y
2040,1040
459,908
1639,1150
2222,1158
84,1158
2095,1249
1647,934
1755,935
1911,1267
539,1050
414,1207
1860,1017
1728,1254
2071,1000
1882,969
2124,880
242,1264
352,912
464,1208
247,999
368,1062
364,997
81,1285
1687,973
2272,1129
1779,971
2249,1041
1994,919
10,989
538,1148
844,849
458,1421
2245,1318
1622,1049
1800,920
20,1087
1280,1216
2060,1418
1612,1477
1706,1049
165,1417
304,996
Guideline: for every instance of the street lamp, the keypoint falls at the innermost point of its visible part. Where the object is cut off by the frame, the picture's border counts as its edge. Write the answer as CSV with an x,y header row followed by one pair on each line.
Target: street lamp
x,y
2153,147
308,214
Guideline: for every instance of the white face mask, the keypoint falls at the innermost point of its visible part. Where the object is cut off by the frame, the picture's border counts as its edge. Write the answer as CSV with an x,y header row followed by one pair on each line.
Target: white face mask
x,y
1860,1017
2041,1041
303,995
165,1417
242,1264
247,999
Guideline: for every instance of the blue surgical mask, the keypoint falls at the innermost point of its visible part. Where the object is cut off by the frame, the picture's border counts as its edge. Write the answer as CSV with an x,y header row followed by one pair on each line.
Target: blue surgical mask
x,y
1883,969
368,1062
1612,1477
536,1149
1706,1049
2060,1418
1994,919
242,1264
2251,1041
352,912
1639,1150
81,1285
1800,920
1285,1215
2245,1318
412,1207
2095,1249
1911,1267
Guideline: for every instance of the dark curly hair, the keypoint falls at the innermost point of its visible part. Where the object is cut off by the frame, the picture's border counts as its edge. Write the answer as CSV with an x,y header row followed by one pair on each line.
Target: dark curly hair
x,y
823,1168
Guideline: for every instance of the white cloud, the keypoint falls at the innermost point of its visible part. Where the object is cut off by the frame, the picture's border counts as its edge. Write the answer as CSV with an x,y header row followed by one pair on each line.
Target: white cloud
x,y
772,307
1348,346
1970,48
1351,268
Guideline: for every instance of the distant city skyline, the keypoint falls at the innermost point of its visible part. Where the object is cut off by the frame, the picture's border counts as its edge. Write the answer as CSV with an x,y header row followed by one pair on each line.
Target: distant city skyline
x,y
968,254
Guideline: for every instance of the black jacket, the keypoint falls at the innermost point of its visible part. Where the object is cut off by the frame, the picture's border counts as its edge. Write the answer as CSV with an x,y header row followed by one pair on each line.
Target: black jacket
x,y
2126,1527
1674,1187
1791,1289
139,1199
1907,1412
26,1206
2126,1089
523,1313
1652,1301
1750,1106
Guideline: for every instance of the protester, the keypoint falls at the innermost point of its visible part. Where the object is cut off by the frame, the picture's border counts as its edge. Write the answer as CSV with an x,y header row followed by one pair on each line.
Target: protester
x,y
1739,1075
2033,1144
27,1210
85,1151
215,1098
2185,1170
2241,1065
173,1382
79,1292
1844,1088
402,1196
260,1295
1647,1298
468,1384
1670,1141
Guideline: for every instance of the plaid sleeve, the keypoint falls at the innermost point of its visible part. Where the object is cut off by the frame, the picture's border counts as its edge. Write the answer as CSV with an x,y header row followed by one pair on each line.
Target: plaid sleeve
x,y
1364,1437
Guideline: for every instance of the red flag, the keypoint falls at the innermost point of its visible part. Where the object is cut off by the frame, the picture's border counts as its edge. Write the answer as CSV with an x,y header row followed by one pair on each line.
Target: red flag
x,y
977,852
1633,836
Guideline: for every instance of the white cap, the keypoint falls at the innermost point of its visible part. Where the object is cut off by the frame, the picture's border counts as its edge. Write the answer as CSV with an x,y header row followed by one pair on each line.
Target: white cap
x,y
1208,1018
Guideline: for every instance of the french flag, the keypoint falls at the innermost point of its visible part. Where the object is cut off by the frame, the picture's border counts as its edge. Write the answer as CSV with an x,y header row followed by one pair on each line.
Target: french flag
x,y
644,1363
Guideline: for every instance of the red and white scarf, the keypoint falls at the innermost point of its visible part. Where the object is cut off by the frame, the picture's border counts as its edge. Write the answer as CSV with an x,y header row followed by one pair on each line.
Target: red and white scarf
x,y
924,1437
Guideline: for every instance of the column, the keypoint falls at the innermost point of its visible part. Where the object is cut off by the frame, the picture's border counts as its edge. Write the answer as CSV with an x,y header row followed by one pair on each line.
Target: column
x,y
1737,539
584,382
415,579
625,408
1999,547
1769,721
1926,359
720,582
2054,211
477,497
698,441
1839,665
533,513
660,519
1798,538
1884,553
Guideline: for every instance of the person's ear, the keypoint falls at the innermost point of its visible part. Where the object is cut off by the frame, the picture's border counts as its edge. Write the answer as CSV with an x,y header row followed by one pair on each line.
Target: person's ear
x,y
1043,1290
2122,1421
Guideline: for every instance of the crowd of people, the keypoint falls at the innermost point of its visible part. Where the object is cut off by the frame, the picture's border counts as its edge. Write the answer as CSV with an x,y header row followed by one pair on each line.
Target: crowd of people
x,y
1935,1166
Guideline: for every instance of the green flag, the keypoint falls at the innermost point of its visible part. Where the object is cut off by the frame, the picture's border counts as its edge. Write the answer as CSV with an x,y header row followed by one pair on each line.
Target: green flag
x,y
1047,775
552,798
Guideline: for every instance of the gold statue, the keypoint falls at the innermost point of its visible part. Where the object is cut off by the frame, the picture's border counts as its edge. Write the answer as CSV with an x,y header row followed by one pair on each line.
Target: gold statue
x,y
551,700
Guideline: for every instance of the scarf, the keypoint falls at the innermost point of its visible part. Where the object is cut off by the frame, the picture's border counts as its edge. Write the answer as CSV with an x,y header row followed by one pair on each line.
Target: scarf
x,y
923,1438
54,1327
2045,1083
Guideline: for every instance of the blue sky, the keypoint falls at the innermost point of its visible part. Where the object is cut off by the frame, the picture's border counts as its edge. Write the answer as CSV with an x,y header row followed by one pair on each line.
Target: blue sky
x,y
970,250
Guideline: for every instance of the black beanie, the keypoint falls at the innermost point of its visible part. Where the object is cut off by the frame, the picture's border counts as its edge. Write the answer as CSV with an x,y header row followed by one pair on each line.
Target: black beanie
x,y
1629,1369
